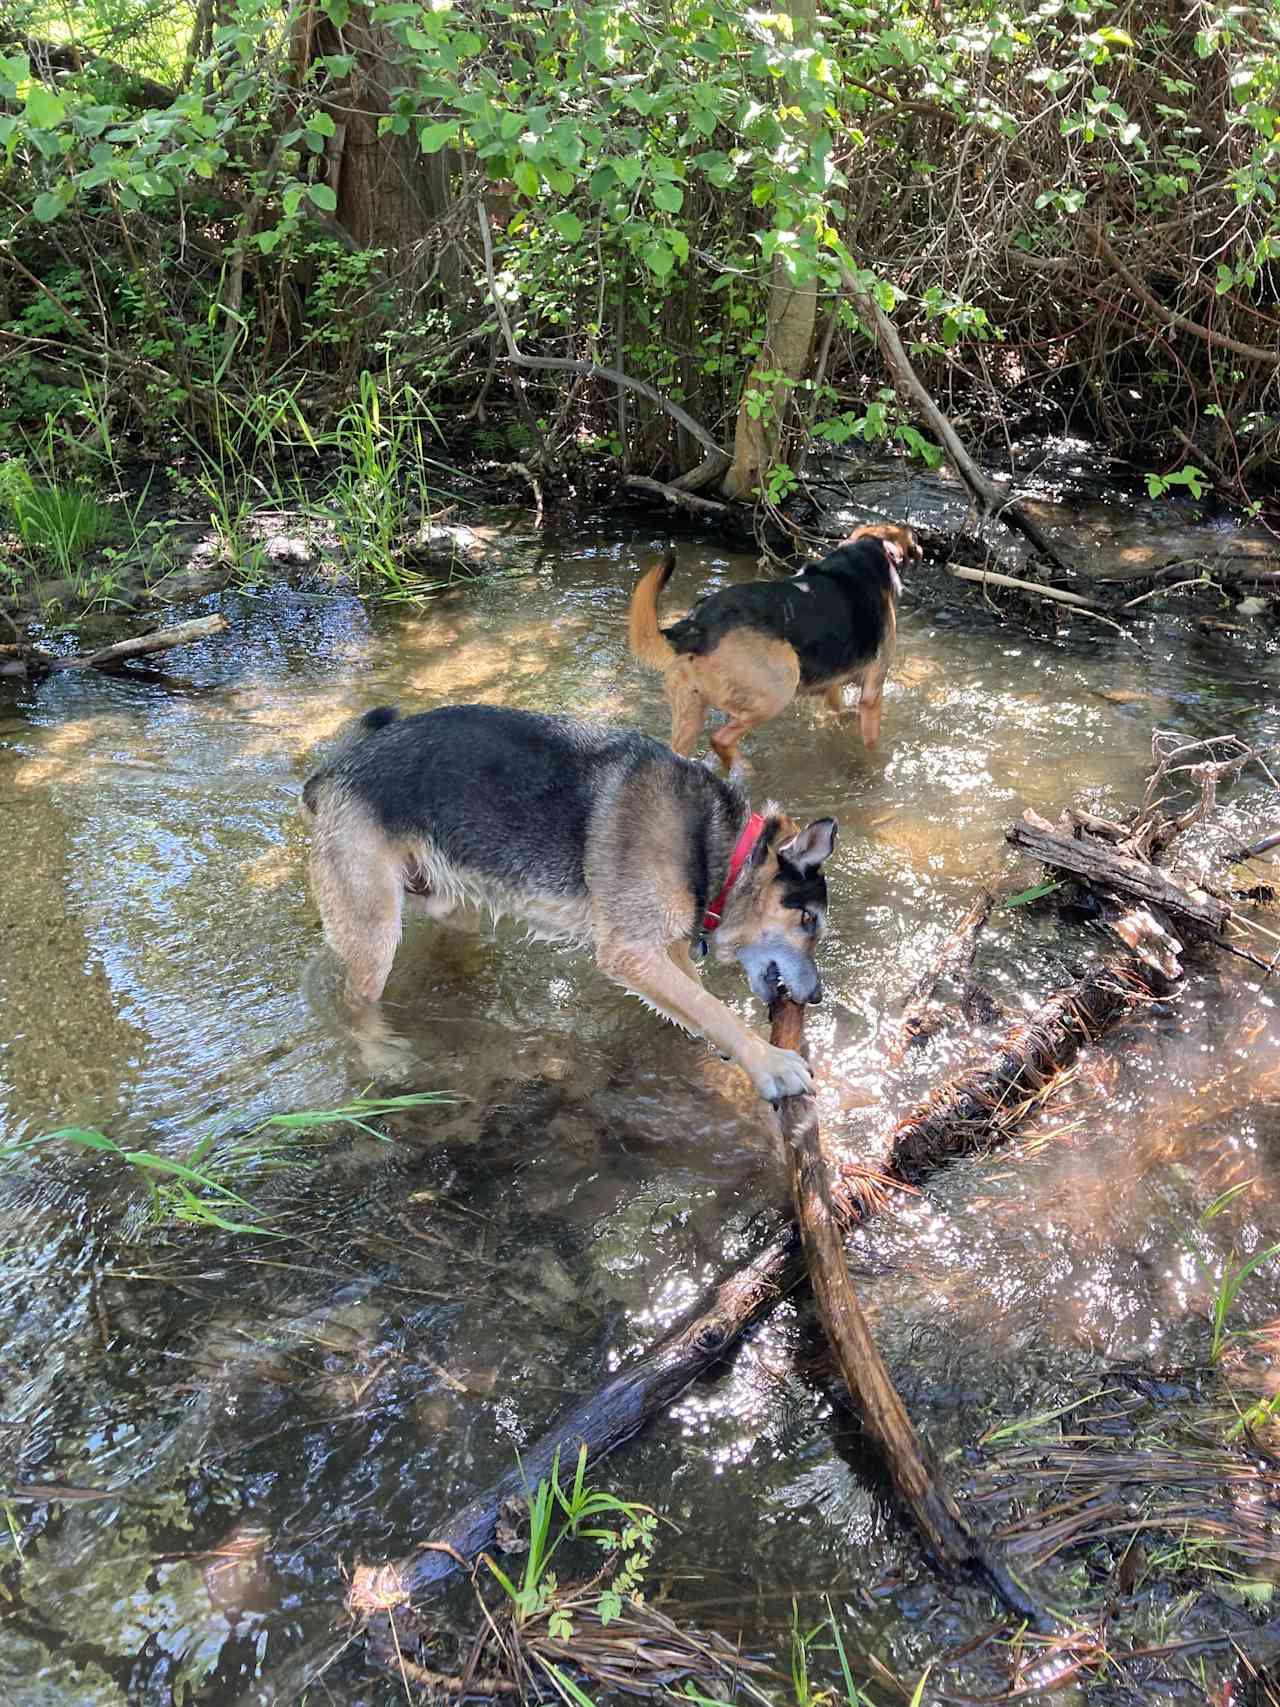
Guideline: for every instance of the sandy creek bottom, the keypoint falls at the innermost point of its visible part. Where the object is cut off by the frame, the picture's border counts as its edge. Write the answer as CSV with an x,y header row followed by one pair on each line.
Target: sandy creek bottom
x,y
261,1413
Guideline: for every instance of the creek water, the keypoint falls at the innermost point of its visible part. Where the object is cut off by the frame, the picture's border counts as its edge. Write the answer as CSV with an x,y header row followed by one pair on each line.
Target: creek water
x,y
229,1422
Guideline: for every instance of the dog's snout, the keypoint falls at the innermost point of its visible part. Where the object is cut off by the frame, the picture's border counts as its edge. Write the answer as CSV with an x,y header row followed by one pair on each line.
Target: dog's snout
x,y
816,995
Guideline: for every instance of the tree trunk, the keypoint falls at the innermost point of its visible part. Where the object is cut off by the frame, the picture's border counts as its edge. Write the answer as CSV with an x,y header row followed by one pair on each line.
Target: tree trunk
x,y
759,438
391,197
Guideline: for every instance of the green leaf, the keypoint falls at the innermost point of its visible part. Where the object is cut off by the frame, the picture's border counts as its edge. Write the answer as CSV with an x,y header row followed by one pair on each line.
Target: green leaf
x,y
44,109
527,178
322,124
628,169
85,1136
569,226
669,197
269,240
47,208
1025,896
433,137
657,257
323,197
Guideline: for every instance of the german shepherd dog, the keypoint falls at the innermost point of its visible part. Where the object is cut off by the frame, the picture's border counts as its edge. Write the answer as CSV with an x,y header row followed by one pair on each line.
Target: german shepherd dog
x,y
599,835
749,650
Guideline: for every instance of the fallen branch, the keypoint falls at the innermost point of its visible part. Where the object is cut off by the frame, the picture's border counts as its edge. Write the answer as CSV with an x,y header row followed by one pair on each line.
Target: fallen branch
x,y
37,662
957,955
1082,856
985,1103
1059,595
142,645
990,500
710,508
589,370
1265,845
870,1385
1229,566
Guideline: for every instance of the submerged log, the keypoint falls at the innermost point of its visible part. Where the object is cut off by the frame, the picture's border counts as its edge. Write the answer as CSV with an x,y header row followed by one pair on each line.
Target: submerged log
x,y
37,663
1019,584
986,1102
920,1014
142,645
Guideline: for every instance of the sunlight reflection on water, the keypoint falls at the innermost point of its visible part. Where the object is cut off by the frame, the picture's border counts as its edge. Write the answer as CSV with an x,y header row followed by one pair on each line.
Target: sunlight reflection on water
x,y
604,1168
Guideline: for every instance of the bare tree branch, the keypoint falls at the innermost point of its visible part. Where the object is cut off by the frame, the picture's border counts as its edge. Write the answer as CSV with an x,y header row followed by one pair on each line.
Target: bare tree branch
x,y
590,370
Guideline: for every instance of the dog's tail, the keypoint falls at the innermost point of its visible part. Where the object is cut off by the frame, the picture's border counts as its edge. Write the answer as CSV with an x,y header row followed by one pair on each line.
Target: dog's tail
x,y
367,724
648,643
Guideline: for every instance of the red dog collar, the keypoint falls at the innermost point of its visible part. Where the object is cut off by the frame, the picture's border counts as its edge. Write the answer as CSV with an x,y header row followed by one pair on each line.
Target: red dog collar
x,y
741,854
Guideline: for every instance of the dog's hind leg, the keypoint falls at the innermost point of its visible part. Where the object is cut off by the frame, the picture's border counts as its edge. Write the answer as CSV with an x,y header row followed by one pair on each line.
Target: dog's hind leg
x,y
871,702
359,887
688,713
724,741
756,679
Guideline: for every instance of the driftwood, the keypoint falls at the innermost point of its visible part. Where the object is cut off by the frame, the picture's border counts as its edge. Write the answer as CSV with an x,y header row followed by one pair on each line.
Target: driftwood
x,y
1218,566
865,1374
1262,846
1083,856
708,509
991,577
32,661
982,1105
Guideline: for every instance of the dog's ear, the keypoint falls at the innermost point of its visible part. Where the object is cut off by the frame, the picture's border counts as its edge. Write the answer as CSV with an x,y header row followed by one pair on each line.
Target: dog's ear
x,y
777,827
811,847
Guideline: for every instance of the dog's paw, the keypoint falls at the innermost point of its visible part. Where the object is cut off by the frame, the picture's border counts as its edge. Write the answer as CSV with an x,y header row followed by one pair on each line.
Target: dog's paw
x,y
781,1073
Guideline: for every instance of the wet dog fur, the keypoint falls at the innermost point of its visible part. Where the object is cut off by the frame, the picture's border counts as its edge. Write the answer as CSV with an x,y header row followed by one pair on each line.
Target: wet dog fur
x,y
749,650
600,835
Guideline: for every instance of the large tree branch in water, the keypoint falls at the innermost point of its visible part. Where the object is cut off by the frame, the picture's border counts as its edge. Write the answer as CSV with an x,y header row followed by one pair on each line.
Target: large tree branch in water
x,y
875,1398
980,1107
589,370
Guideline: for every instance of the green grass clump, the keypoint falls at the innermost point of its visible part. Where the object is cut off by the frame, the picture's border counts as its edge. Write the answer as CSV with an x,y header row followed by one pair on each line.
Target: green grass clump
x,y
58,522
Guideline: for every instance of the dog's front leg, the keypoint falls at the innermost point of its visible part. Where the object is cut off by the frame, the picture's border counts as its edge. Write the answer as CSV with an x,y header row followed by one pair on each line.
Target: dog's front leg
x,y
650,974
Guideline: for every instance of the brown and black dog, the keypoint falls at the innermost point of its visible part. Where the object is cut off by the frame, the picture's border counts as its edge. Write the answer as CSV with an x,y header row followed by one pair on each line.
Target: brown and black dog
x,y
749,650
603,836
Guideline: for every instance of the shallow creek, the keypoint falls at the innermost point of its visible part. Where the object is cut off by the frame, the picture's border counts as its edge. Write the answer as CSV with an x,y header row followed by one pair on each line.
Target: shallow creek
x,y
243,1418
